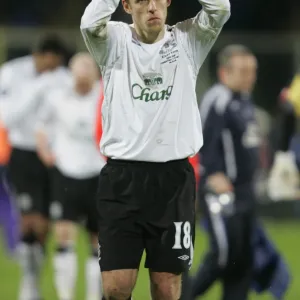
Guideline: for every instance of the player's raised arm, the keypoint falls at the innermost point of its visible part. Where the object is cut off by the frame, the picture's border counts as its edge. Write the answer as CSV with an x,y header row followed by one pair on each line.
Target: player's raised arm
x,y
101,36
213,15
200,33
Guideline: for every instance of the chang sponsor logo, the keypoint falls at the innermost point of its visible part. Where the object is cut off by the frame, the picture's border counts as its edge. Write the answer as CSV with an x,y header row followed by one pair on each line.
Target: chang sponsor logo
x,y
147,95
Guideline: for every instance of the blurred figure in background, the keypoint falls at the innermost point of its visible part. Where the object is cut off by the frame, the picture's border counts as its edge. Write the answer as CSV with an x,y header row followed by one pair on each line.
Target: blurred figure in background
x,y
241,254
229,158
284,178
70,146
24,83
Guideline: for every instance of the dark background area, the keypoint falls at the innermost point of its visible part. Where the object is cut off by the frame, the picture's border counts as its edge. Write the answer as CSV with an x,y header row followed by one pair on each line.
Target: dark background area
x,y
253,15
248,16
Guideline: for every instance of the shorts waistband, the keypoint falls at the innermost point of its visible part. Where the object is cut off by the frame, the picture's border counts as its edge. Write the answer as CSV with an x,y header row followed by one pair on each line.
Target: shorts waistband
x,y
23,151
134,163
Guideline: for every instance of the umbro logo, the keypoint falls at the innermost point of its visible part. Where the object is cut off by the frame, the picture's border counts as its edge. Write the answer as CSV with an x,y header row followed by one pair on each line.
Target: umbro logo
x,y
184,257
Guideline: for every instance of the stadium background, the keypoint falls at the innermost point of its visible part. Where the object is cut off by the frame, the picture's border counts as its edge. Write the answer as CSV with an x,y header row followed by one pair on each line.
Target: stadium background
x,y
271,28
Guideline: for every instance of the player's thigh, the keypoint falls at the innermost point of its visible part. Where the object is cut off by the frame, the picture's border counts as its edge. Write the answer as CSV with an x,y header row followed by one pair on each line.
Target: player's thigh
x,y
21,174
120,237
65,231
237,286
89,206
171,249
46,191
119,284
240,238
66,199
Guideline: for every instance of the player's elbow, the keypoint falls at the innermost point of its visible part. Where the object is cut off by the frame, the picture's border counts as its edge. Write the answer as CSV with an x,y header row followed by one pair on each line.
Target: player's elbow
x,y
222,15
225,6
94,29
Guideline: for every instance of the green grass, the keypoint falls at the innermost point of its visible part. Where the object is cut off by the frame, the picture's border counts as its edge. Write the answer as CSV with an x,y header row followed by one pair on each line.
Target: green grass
x,y
285,235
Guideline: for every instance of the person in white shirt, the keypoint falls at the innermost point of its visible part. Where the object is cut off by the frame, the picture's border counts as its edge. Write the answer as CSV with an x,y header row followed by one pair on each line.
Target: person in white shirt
x,y
151,125
70,114
23,83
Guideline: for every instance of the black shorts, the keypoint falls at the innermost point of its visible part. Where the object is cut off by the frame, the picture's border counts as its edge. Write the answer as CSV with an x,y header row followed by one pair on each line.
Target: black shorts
x,y
30,181
74,200
146,206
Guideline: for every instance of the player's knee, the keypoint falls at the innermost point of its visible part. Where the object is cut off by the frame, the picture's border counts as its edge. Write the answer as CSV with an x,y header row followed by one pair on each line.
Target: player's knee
x,y
118,284
27,222
64,232
40,227
94,241
117,293
165,286
29,238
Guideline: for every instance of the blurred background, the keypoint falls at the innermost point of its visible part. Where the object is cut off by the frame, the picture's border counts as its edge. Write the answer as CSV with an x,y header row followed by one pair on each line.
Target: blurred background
x,y
270,28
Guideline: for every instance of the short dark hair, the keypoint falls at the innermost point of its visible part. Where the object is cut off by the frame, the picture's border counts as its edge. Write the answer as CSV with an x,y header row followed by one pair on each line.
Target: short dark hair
x,y
52,44
228,52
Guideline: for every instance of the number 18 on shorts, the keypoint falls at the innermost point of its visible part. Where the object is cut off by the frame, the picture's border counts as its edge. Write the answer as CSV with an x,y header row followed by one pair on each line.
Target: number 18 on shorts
x,y
183,241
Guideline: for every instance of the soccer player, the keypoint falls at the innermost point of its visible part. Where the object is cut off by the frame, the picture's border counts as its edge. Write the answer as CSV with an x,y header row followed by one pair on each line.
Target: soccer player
x,y
151,125
286,160
70,115
230,158
23,83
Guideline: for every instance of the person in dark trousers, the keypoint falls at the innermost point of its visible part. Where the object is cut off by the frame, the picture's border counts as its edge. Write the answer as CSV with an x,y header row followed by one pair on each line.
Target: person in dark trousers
x,y
229,159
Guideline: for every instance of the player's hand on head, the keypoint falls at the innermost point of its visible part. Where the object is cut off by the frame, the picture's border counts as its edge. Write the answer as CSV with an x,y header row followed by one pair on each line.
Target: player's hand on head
x,y
219,183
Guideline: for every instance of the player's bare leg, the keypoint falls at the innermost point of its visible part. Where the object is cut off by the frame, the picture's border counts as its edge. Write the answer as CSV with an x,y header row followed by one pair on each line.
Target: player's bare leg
x,y
165,286
93,273
65,259
118,284
34,229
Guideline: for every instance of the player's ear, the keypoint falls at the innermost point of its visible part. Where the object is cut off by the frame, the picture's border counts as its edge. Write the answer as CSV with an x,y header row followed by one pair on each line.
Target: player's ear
x,y
169,2
221,73
126,6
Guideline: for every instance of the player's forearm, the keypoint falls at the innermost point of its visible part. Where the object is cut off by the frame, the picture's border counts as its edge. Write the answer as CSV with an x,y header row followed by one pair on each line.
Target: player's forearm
x,y
214,13
43,149
96,16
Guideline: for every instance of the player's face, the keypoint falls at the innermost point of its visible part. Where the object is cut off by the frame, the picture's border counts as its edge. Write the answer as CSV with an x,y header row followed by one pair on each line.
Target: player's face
x,y
149,16
242,72
46,61
85,73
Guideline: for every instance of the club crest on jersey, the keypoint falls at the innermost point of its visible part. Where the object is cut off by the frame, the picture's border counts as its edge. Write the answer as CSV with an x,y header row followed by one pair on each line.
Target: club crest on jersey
x,y
168,46
152,79
169,52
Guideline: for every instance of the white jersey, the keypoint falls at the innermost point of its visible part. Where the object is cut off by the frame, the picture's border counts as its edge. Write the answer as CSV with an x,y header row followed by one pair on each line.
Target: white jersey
x,y
23,91
72,121
150,110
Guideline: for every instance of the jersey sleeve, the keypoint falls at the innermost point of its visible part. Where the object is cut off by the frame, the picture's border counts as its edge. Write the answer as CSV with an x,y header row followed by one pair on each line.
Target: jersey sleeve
x,y
213,112
102,37
198,35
